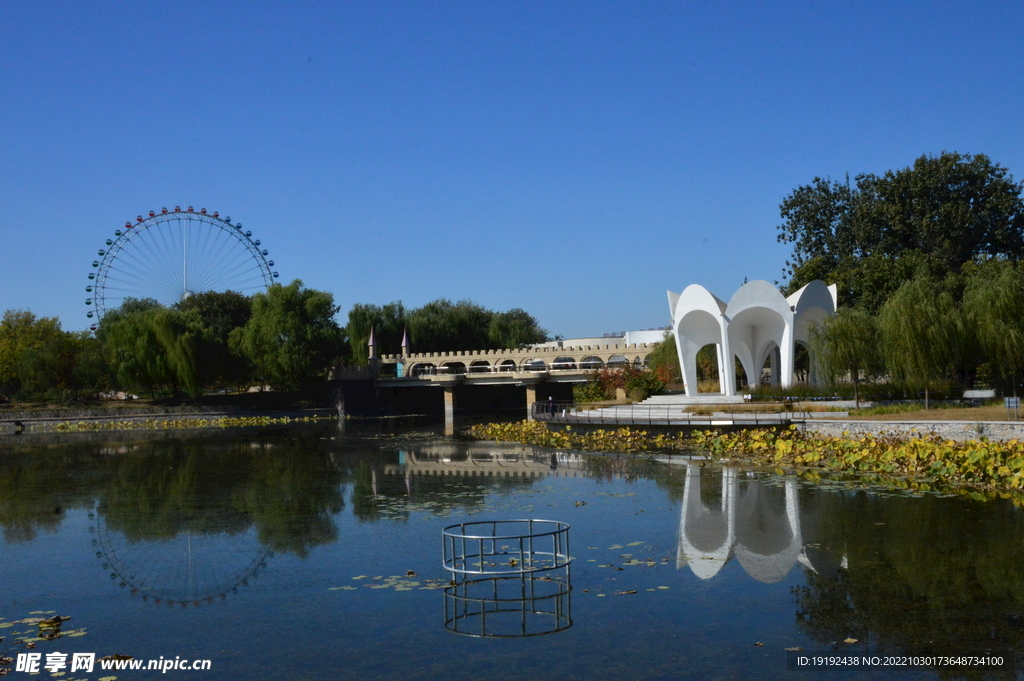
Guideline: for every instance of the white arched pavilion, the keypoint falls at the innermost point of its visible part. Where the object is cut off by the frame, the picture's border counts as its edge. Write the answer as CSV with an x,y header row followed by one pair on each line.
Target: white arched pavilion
x,y
758,322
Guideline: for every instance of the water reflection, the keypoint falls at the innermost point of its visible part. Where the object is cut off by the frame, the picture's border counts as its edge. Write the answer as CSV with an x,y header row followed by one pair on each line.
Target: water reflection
x,y
725,516
509,607
189,569
894,571
479,459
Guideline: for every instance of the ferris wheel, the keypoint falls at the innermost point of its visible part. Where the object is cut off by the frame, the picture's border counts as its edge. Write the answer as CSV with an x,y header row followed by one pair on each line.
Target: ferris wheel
x,y
173,254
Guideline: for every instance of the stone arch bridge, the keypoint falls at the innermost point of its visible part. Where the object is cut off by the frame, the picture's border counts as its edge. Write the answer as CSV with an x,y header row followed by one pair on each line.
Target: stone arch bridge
x,y
531,360
520,367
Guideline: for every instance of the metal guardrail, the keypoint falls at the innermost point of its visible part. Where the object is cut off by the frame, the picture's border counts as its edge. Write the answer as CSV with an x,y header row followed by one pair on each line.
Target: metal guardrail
x,y
652,415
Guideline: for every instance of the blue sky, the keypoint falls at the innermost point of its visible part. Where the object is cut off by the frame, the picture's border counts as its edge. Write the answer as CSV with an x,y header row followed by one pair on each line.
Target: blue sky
x,y
572,159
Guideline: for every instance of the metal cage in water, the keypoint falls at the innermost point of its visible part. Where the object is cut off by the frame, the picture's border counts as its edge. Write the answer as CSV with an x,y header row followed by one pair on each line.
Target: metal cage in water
x,y
510,578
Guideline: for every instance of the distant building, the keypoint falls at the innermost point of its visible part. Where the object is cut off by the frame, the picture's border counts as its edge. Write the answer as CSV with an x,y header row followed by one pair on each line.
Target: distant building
x,y
641,336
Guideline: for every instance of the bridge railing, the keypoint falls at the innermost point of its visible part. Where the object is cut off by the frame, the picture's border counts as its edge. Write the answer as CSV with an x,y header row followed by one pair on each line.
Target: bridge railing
x,y
650,415
496,369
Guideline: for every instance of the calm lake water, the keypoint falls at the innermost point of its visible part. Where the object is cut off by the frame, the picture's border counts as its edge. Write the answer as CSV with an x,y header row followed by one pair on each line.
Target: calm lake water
x,y
288,554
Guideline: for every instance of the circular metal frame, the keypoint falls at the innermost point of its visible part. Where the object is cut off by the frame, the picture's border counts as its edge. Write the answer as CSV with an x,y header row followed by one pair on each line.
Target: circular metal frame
x,y
505,547
173,254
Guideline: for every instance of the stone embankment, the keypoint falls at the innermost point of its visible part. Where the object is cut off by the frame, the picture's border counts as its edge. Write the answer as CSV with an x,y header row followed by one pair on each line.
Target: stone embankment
x,y
959,431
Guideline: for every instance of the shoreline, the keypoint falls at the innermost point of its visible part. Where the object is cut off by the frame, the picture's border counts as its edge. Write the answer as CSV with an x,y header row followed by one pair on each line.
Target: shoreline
x,y
915,459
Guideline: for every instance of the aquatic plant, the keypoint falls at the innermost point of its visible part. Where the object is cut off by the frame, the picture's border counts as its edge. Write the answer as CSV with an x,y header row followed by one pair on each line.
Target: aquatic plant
x,y
928,460
975,462
618,440
175,424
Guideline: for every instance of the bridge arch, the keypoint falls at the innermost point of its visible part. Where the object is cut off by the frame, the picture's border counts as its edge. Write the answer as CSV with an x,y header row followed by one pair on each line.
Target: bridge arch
x,y
479,366
564,363
591,362
422,369
506,365
617,362
454,367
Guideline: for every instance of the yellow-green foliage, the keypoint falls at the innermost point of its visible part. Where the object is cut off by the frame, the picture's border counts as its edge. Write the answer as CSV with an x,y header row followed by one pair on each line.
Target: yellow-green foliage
x,y
975,462
175,424
979,464
536,433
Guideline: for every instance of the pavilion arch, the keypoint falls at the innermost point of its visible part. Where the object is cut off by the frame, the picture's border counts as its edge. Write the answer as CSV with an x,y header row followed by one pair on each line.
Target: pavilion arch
x,y
811,305
759,316
771,354
698,320
812,375
716,348
591,362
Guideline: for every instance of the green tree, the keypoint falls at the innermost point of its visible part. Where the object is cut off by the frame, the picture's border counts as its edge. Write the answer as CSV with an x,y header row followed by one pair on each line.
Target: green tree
x,y
846,344
21,335
152,347
439,326
443,325
65,365
291,337
868,238
514,329
38,358
922,333
664,360
133,350
993,305
218,314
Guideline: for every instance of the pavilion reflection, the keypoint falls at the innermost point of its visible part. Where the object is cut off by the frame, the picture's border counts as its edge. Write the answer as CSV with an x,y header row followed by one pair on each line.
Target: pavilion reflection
x,y
763,526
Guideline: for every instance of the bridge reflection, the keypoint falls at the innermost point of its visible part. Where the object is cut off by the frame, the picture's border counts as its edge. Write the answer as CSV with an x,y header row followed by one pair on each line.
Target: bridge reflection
x,y
482,460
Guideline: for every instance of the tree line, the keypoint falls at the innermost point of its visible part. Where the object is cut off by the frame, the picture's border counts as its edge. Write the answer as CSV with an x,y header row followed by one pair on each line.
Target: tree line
x,y
285,338
929,262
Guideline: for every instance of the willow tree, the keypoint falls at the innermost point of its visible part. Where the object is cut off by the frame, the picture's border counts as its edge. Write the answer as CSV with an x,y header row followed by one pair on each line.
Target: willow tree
x,y
185,350
154,347
922,332
993,305
291,337
388,323
846,344
134,351
514,329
